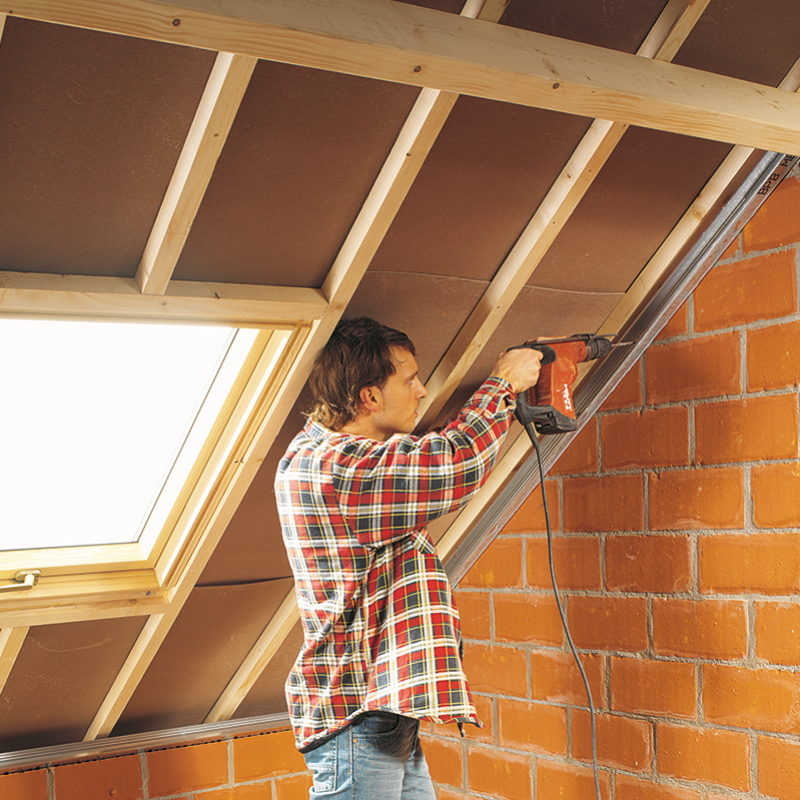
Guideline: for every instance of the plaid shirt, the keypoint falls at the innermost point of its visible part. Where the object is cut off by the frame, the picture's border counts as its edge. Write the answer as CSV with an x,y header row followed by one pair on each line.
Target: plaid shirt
x,y
381,630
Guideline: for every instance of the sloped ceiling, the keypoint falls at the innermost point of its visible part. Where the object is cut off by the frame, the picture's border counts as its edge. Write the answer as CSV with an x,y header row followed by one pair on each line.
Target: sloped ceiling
x,y
249,161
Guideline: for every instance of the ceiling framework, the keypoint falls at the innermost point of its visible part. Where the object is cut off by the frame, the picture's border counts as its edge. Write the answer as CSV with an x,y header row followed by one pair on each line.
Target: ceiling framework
x,y
441,94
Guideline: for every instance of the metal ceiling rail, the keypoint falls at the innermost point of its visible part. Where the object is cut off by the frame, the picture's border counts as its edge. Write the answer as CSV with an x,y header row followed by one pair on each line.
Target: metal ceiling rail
x,y
665,301
42,757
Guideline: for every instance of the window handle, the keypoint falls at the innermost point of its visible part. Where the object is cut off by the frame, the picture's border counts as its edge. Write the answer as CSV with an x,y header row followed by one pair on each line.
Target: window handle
x,y
24,580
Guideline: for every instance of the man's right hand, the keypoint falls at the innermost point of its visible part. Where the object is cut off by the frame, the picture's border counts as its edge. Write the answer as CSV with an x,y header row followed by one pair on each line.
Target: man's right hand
x,y
520,367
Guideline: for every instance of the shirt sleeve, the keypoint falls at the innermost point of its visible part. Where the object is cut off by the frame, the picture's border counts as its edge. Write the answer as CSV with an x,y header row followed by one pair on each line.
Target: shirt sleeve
x,y
386,490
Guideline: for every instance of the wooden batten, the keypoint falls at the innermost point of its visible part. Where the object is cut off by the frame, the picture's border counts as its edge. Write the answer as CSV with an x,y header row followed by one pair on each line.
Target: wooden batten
x,y
11,641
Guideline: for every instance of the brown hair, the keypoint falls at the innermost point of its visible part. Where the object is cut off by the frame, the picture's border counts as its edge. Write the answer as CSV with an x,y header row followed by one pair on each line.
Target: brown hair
x,y
358,354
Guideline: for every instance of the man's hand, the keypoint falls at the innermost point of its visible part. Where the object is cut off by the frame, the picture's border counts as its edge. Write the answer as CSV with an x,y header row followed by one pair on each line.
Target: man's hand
x,y
519,367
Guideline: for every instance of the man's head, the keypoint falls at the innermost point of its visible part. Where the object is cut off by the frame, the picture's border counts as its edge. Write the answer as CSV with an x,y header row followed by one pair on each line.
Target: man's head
x,y
351,378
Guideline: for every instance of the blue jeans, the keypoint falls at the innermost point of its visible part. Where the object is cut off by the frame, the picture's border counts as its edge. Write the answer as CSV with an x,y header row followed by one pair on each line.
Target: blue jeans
x,y
378,757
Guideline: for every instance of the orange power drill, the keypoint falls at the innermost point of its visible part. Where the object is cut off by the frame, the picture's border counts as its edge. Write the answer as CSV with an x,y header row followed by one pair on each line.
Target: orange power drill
x,y
548,405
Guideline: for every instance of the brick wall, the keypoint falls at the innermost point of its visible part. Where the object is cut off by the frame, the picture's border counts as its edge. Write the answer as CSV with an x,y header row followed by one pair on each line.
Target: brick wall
x,y
259,767
677,521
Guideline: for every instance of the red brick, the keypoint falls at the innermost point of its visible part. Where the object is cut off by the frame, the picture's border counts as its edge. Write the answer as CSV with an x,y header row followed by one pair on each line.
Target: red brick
x,y
608,623
266,756
186,769
778,633
527,618
648,564
118,778
610,503
711,756
495,669
776,495
677,325
772,357
756,429
484,706
768,563
556,782
777,222
555,677
24,785
733,249
581,456
764,699
653,438
746,291
501,775
778,768
684,370
629,788
532,727
661,688
500,565
713,629
475,610
628,391
445,760
529,517
696,499
576,560
621,741
292,787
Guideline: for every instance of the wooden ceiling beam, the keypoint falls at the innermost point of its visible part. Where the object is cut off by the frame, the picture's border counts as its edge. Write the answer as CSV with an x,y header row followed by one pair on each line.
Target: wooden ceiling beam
x,y
212,122
382,39
84,297
673,26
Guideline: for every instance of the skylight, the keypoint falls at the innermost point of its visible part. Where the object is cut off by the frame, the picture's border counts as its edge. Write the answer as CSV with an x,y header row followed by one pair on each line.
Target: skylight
x,y
94,415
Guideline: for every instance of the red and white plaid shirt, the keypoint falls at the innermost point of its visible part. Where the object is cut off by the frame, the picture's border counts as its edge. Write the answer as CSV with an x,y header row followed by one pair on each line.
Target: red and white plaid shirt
x,y
381,630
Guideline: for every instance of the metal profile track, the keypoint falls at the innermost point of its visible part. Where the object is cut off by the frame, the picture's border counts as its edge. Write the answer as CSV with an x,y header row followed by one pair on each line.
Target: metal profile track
x,y
681,282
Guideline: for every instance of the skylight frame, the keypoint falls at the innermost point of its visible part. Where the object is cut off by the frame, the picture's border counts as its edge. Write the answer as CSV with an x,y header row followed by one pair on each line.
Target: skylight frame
x,y
139,579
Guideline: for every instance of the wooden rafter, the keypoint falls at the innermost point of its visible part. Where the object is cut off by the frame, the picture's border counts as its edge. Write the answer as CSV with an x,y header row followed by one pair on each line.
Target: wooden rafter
x,y
77,296
422,127
381,40
650,276
672,27
11,641
212,122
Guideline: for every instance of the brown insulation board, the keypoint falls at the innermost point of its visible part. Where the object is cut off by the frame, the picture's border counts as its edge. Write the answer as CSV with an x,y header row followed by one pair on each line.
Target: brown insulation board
x,y
212,635
615,24
304,150
91,126
647,184
267,695
60,679
491,166
450,6
754,40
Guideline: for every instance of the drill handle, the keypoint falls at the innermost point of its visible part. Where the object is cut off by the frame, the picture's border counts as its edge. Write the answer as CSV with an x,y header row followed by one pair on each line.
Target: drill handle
x,y
525,412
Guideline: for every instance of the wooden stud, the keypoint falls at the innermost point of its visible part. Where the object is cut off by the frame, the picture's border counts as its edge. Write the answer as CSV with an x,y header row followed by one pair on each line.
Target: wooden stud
x,y
381,40
83,297
226,86
11,641
549,220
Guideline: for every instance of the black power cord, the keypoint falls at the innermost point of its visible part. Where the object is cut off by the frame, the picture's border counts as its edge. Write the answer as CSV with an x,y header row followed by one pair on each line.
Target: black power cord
x,y
534,439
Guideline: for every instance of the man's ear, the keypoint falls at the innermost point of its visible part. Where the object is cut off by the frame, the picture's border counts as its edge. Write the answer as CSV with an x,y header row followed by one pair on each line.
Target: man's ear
x,y
369,399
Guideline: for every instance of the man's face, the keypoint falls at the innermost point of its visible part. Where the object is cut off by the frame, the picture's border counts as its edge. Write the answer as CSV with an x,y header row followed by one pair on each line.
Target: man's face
x,y
399,397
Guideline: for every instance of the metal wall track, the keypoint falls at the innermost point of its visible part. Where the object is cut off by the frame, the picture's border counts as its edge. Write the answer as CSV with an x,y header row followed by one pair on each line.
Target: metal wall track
x,y
676,288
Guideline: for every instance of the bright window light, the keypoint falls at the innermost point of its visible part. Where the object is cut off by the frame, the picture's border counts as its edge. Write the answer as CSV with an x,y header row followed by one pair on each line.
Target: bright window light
x,y
94,415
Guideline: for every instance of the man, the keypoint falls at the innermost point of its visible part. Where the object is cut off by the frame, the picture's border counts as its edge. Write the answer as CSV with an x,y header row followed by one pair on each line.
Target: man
x,y
355,490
